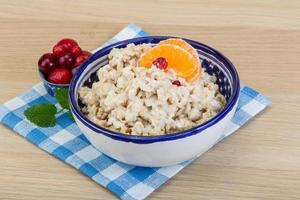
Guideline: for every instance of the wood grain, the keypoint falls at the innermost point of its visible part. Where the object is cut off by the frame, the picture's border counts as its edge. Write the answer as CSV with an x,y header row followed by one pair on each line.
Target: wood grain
x,y
262,38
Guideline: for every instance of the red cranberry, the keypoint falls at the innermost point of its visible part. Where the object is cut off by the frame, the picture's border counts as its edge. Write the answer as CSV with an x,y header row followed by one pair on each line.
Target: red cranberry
x,y
76,51
176,82
60,76
86,53
83,57
58,50
47,63
68,43
67,60
160,63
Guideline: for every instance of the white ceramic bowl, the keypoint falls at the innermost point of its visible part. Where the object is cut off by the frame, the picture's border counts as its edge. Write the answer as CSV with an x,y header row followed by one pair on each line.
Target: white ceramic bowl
x,y
164,150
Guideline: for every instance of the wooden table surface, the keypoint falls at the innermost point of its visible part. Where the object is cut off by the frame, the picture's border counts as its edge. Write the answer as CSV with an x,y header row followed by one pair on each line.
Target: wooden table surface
x,y
262,38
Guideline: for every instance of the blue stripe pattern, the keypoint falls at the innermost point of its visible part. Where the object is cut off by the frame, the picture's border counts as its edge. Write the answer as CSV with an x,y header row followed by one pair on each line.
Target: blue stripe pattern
x,y
66,142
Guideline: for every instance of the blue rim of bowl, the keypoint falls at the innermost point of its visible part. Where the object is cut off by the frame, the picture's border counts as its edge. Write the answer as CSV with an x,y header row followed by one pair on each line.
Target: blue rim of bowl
x,y
160,138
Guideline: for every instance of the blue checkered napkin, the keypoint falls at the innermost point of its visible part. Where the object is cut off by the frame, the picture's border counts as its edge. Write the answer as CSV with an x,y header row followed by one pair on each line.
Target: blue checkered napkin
x,y
66,142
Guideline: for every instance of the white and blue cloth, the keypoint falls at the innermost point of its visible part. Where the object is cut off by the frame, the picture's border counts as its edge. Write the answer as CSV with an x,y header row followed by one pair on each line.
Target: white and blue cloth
x,y
67,143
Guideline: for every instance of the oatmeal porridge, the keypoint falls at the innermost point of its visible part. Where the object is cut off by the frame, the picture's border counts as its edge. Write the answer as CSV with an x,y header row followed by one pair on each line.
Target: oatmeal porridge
x,y
147,101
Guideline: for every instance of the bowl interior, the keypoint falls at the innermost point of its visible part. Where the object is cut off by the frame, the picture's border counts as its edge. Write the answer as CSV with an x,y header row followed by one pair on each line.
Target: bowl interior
x,y
213,62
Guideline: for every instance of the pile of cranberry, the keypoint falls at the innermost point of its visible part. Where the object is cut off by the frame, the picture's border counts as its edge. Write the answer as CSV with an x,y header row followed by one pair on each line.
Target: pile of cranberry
x,y
59,66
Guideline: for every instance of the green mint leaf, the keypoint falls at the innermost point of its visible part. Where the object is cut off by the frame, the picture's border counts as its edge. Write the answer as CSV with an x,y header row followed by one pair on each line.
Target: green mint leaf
x,y
42,115
62,98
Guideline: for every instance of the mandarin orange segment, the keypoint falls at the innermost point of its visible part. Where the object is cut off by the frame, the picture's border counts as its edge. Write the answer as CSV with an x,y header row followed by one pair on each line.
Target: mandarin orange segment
x,y
183,44
195,76
179,60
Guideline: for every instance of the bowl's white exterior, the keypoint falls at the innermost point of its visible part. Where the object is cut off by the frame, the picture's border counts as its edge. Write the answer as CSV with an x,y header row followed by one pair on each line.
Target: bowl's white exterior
x,y
162,153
